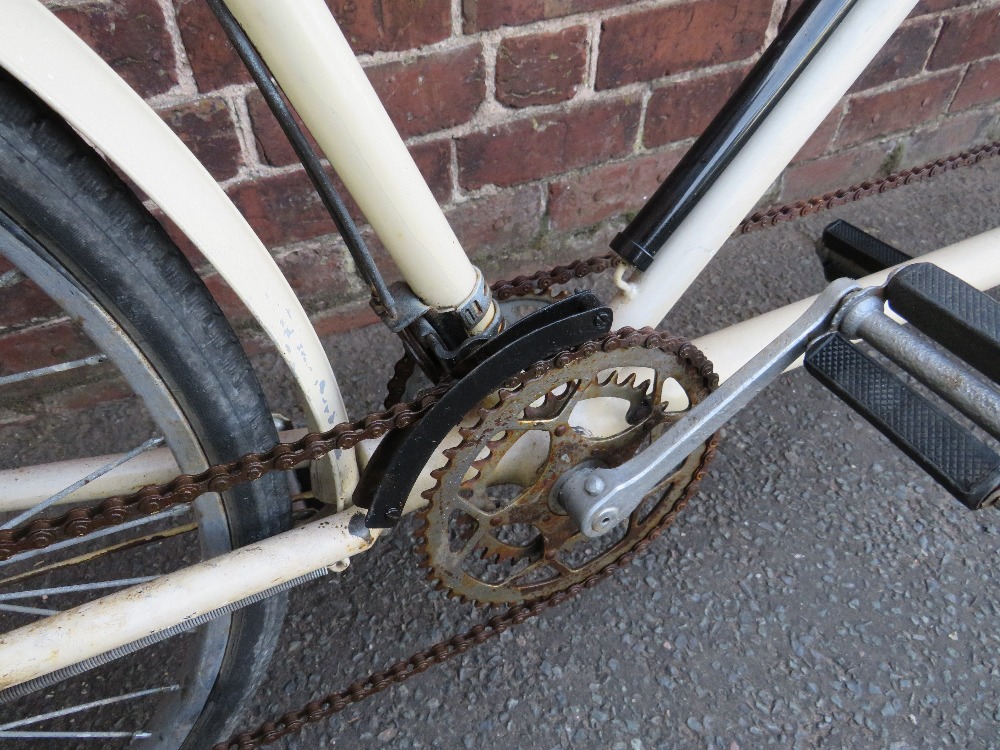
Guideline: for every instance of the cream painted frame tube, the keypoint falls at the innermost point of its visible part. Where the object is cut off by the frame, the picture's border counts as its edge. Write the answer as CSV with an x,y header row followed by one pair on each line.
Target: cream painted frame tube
x,y
316,68
838,63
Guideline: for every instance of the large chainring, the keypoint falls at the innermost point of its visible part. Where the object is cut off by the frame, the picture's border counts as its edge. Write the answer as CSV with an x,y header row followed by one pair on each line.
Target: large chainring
x,y
493,532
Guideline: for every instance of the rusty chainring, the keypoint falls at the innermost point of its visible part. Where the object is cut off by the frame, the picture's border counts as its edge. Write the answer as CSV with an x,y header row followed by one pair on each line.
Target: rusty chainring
x,y
493,532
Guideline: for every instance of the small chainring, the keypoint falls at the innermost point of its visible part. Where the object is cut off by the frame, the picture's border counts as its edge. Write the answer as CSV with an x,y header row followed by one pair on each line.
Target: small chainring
x,y
493,532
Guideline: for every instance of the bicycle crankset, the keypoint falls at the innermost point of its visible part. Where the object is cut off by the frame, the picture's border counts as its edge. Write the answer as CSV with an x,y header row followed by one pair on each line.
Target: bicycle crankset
x,y
494,532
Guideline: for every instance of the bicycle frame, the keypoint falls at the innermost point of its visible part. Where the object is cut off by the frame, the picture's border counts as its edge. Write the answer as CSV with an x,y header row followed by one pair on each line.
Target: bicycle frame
x,y
313,62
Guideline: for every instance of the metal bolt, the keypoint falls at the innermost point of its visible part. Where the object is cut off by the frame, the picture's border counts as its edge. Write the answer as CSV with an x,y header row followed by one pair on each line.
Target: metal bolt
x,y
340,566
594,485
602,319
605,522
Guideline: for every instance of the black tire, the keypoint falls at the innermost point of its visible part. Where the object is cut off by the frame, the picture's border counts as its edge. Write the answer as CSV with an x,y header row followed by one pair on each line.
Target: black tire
x,y
96,232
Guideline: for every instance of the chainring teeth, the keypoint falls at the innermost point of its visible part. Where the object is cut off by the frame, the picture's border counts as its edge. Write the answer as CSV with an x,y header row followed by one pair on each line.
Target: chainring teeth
x,y
639,349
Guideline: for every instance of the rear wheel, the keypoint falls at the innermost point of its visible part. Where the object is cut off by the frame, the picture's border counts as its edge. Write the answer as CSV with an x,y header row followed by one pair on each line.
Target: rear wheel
x,y
127,310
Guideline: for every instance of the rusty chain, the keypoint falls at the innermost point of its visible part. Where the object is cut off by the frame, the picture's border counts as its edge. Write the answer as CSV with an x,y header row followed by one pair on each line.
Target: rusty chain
x,y
113,511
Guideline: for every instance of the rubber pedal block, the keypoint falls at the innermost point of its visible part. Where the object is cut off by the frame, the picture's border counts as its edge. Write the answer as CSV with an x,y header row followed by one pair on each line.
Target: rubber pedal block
x,y
951,454
853,253
955,314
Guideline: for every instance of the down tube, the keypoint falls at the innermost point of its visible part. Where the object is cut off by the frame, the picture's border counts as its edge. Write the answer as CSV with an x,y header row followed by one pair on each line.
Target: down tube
x,y
804,106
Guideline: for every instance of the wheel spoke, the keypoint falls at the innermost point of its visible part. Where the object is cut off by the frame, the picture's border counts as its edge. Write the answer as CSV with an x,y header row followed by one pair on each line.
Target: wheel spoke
x,y
56,590
6,729
32,512
21,377
28,610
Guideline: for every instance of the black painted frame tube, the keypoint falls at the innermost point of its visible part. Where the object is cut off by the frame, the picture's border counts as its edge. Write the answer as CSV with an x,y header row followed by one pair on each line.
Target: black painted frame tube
x,y
777,69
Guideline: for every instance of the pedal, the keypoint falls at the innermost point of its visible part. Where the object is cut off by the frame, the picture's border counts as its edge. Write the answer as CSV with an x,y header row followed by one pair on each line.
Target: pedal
x,y
853,253
954,457
956,315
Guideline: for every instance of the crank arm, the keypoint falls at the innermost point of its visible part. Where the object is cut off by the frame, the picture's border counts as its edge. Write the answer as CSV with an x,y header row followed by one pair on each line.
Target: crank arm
x,y
599,498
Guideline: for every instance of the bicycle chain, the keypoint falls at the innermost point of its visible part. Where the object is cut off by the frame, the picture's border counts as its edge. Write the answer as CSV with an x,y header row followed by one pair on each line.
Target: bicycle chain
x,y
113,511
314,711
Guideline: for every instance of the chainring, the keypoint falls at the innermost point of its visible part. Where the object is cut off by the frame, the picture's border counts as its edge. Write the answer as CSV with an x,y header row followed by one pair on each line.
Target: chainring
x,y
492,532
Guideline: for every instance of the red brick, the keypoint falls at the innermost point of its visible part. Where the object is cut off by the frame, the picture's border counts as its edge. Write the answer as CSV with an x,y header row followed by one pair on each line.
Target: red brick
x,y
981,85
935,6
132,37
586,199
344,318
207,127
23,303
903,55
541,68
902,108
481,15
272,145
659,42
371,25
950,136
432,92
213,60
433,159
87,395
834,172
282,209
537,147
819,142
498,222
966,38
683,110
42,346
319,274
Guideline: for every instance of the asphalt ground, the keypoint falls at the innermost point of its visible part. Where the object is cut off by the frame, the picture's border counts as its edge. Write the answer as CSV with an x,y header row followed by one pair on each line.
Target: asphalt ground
x,y
819,592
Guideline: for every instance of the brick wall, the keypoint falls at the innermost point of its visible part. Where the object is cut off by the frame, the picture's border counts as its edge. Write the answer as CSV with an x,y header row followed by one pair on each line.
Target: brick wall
x,y
536,122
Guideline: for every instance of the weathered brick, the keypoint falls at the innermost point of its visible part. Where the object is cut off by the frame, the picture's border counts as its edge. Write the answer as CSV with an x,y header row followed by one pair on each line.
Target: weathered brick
x,y
537,147
482,15
842,169
684,109
967,37
653,43
935,6
981,85
282,208
132,37
506,220
213,60
541,68
23,303
371,25
819,142
950,136
272,145
207,127
42,346
903,55
585,199
432,92
898,109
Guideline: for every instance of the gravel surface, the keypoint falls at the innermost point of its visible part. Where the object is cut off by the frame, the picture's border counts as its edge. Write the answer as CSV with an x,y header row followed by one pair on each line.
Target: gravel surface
x,y
820,592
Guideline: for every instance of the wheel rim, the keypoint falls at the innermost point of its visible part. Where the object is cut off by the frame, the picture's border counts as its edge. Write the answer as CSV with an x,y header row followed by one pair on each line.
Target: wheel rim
x,y
177,710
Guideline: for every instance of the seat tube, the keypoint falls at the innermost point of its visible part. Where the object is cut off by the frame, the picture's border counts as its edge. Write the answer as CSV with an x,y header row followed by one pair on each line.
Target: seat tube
x,y
316,68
